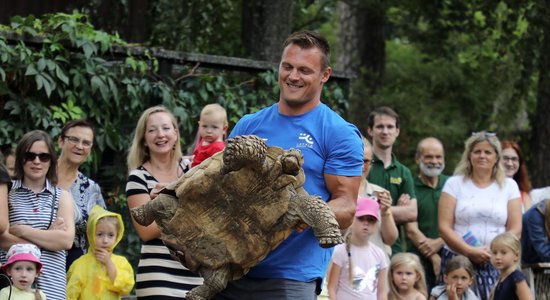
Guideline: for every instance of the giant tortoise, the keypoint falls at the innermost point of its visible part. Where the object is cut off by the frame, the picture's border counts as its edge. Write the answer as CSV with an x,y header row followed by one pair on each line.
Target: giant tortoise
x,y
225,215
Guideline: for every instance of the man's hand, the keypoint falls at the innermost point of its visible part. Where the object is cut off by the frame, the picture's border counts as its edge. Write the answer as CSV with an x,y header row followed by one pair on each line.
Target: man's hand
x,y
404,200
429,247
300,226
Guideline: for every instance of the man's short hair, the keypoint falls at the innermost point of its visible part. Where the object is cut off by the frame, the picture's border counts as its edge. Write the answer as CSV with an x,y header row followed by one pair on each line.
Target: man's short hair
x,y
310,39
382,110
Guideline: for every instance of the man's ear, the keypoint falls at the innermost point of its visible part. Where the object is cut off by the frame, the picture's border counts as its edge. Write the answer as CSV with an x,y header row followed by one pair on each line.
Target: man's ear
x,y
326,74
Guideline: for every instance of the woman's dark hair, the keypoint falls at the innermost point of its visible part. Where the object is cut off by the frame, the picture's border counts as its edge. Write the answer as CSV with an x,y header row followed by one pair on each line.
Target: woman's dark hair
x,y
521,176
23,147
77,123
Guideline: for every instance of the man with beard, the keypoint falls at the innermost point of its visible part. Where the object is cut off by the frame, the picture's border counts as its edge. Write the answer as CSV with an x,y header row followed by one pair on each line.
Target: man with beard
x,y
387,172
424,233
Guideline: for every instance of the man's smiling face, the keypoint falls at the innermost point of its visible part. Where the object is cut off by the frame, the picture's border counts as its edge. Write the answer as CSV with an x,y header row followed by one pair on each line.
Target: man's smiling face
x,y
301,77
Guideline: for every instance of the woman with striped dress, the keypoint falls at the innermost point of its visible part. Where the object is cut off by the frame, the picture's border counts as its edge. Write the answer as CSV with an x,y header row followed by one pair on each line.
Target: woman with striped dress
x,y
155,160
40,212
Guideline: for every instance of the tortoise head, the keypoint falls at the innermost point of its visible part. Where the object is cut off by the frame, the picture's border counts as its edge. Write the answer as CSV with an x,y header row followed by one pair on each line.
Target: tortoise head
x,y
292,161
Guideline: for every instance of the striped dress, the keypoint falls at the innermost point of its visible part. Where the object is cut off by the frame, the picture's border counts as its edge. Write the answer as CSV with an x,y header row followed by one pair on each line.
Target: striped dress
x,y
158,275
36,210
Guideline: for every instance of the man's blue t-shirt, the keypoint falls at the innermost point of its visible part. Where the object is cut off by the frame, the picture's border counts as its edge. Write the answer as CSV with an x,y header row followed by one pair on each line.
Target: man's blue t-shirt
x,y
330,145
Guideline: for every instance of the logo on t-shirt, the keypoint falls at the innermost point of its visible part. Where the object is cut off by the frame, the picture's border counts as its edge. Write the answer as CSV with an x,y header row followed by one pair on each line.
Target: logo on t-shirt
x,y
305,141
395,180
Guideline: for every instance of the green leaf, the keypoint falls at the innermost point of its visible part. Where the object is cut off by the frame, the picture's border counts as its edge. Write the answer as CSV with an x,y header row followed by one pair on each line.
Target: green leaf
x,y
61,75
31,70
96,83
39,79
41,64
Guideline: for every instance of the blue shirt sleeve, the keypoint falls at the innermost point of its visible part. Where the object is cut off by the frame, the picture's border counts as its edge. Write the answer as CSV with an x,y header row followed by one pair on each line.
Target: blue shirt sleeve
x,y
538,237
346,157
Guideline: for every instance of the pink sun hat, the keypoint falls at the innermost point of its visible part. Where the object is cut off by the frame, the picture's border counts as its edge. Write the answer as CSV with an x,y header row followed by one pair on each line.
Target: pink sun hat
x,y
23,252
367,206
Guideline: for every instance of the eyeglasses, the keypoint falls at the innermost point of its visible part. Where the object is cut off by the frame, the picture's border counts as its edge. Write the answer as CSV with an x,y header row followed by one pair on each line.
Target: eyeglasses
x,y
76,141
43,157
513,159
486,134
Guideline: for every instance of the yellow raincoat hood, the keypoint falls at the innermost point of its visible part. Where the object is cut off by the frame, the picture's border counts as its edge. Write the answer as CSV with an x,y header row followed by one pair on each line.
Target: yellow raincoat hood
x,y
97,213
88,278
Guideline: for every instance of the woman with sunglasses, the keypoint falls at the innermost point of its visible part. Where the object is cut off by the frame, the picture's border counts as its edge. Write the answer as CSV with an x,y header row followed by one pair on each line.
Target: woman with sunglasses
x,y
76,141
478,203
40,212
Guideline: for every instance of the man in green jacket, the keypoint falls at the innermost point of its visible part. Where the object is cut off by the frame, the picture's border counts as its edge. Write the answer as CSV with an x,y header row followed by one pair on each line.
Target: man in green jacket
x,y
387,172
424,234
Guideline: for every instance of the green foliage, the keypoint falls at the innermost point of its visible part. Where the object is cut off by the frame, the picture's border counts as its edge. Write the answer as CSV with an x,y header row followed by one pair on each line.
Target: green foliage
x,y
60,68
211,27
434,97
482,39
453,67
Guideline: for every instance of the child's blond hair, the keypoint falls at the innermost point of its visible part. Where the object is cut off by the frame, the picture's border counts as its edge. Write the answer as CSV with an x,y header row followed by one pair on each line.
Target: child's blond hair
x,y
412,261
215,110
110,220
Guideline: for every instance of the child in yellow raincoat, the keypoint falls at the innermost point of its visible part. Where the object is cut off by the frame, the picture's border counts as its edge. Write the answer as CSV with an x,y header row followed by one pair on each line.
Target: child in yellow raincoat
x,y
100,274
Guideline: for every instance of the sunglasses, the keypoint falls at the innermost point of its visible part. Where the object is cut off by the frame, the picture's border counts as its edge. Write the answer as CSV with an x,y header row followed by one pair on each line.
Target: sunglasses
x,y
43,157
486,134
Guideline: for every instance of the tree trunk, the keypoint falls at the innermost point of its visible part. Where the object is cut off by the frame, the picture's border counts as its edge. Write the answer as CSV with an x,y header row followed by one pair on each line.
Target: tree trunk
x,y
265,26
347,59
138,27
540,160
362,38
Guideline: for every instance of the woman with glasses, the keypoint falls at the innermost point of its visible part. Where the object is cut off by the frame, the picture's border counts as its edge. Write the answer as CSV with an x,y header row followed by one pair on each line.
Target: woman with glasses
x,y
514,167
478,203
76,141
40,212
386,232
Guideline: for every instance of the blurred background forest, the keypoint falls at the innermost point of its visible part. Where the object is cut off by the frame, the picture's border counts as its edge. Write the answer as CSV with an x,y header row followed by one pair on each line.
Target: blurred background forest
x,y
447,67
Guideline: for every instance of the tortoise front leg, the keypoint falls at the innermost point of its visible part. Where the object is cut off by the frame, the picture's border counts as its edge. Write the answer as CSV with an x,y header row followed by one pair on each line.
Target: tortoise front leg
x,y
317,214
215,281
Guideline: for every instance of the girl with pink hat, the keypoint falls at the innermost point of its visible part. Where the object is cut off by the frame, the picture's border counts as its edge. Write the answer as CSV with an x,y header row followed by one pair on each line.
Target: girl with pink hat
x,y
23,266
359,267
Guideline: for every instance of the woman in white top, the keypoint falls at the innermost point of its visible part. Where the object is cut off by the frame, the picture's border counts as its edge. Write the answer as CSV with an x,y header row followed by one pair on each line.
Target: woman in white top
x,y
478,203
